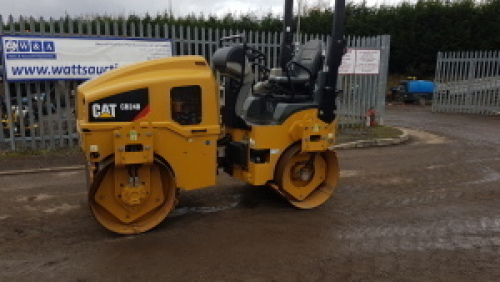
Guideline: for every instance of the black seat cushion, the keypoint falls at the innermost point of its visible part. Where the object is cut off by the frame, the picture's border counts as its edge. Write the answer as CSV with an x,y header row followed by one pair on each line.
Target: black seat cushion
x,y
310,57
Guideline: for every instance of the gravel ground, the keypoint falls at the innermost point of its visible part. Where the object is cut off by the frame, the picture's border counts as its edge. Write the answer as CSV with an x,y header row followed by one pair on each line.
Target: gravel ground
x,y
426,210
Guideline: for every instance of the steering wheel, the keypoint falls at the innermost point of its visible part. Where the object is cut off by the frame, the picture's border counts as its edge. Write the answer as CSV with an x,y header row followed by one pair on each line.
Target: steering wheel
x,y
259,60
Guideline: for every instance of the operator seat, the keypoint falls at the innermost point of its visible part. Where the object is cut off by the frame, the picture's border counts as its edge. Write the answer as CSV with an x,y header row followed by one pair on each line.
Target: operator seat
x,y
285,93
300,76
232,62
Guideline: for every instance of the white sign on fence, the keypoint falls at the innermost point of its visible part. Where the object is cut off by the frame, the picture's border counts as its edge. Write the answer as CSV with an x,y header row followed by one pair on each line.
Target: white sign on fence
x,y
348,62
360,61
35,57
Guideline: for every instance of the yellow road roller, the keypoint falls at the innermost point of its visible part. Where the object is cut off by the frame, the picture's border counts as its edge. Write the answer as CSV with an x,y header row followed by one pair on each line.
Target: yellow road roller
x,y
153,129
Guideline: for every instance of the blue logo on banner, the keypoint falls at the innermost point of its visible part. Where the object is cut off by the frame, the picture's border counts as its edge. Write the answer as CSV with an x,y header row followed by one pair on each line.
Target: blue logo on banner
x,y
48,46
27,49
36,46
11,45
23,45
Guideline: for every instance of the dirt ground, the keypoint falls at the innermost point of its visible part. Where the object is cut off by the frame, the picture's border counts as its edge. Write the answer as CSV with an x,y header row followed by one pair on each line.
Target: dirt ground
x,y
427,210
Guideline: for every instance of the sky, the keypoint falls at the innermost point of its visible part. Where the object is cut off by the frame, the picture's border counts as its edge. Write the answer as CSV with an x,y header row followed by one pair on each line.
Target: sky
x,y
59,8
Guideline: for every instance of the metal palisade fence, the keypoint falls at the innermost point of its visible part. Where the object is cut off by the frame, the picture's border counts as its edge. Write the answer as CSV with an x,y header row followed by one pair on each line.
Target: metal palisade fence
x,y
41,114
467,82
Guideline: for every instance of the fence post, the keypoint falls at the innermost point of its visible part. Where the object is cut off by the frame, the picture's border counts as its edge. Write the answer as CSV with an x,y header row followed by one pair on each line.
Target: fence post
x,y
384,66
435,97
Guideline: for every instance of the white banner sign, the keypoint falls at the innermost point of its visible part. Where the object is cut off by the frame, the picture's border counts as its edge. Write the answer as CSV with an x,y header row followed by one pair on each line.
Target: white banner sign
x,y
360,61
29,57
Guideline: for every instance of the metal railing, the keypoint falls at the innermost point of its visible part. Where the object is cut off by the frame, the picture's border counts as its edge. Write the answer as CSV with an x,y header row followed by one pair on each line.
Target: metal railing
x,y
41,114
467,82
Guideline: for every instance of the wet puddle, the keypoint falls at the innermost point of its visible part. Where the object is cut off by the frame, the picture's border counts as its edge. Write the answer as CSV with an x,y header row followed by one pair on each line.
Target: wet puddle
x,y
490,176
191,210
39,197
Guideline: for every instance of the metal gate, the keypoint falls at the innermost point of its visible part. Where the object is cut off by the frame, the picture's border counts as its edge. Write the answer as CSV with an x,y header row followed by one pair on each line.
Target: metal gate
x,y
467,82
41,115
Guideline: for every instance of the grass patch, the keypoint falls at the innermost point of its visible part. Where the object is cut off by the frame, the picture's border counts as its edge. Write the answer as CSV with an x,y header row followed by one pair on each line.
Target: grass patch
x,y
352,134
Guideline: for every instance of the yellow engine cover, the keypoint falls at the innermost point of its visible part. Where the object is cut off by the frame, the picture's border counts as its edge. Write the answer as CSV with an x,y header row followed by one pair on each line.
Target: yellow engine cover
x,y
167,108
